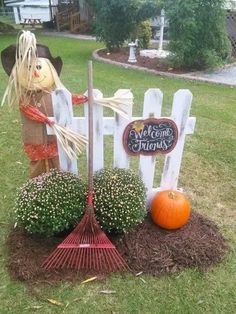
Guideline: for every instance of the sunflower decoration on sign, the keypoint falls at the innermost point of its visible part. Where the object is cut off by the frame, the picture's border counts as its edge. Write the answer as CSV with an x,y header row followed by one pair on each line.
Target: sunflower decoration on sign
x,y
138,126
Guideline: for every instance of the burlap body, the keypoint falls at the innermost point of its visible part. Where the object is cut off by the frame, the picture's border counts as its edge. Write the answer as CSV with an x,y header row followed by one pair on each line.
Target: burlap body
x,y
34,132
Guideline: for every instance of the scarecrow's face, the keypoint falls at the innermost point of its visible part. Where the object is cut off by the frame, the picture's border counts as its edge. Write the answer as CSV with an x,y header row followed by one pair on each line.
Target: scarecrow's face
x,y
39,77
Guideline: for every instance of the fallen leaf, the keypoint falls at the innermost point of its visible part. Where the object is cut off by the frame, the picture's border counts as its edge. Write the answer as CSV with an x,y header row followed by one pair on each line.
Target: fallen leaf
x,y
88,280
19,162
55,302
15,225
108,291
36,307
143,280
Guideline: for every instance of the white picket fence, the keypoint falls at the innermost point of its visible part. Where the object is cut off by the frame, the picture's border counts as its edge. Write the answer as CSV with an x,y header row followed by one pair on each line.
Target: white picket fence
x,y
115,126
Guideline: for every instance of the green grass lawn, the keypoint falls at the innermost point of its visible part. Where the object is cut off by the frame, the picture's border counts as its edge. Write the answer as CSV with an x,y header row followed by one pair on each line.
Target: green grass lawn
x,y
208,175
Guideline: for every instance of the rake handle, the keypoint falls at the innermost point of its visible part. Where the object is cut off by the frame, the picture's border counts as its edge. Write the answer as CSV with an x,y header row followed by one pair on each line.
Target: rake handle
x,y
90,135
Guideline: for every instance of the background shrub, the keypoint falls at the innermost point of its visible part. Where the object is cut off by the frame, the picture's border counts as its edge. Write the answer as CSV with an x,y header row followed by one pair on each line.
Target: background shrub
x,y
50,203
144,34
116,20
119,199
197,33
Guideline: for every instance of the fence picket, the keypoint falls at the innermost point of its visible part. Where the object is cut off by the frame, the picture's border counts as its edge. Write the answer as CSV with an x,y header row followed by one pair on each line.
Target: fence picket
x,y
151,108
180,114
98,139
63,113
121,159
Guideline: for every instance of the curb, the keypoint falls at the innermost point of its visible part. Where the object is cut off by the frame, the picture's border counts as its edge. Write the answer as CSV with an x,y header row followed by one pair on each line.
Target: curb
x,y
160,73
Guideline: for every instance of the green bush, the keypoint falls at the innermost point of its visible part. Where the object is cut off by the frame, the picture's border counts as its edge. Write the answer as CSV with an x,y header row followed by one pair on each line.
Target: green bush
x,y
197,33
50,203
116,20
119,199
144,34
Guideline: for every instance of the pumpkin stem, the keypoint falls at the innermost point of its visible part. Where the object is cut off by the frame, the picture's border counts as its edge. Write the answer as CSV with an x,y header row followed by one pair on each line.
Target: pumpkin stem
x,y
172,195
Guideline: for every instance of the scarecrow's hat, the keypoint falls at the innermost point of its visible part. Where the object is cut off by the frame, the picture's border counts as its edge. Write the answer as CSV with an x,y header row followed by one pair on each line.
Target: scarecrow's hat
x,y
8,57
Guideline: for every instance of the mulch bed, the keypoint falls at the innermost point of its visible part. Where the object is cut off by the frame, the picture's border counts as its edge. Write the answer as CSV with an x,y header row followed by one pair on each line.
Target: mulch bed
x,y
148,249
158,64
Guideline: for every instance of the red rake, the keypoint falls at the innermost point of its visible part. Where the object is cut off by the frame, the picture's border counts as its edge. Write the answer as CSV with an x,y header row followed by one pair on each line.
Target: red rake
x,y
87,247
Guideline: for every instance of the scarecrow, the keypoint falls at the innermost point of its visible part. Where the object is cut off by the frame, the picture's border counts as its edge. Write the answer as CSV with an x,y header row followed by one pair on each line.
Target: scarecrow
x,y
33,75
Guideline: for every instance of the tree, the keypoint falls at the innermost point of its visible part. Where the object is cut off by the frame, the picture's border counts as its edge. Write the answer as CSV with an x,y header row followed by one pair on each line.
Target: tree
x,y
197,32
116,20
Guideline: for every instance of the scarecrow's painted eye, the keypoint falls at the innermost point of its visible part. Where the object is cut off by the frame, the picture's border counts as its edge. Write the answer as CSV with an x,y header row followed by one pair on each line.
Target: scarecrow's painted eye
x,y
38,67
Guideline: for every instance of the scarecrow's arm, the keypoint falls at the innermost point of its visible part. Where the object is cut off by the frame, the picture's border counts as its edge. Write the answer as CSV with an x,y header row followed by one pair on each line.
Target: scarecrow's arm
x,y
79,99
33,113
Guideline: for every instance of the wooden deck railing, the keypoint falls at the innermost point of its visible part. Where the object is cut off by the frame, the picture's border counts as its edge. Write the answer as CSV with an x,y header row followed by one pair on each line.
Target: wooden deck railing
x,y
63,18
74,22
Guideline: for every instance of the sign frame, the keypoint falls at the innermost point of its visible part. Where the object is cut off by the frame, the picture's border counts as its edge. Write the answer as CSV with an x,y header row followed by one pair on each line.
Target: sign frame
x,y
149,121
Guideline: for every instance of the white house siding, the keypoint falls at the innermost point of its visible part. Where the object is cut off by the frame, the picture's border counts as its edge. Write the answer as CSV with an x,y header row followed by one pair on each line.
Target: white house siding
x,y
37,9
42,13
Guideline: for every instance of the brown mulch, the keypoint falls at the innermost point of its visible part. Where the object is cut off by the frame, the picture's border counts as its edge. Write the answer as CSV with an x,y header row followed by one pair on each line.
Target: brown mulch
x,y
148,248
155,251
158,64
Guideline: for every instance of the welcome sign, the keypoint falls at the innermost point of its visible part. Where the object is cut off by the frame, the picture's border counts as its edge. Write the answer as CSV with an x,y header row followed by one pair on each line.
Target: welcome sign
x,y
150,137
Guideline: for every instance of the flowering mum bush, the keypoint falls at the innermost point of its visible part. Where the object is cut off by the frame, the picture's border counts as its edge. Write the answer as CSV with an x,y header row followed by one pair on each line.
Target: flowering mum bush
x,y
50,203
119,199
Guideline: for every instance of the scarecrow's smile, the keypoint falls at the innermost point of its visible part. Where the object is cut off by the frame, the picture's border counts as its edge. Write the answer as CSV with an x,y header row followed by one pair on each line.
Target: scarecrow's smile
x,y
39,81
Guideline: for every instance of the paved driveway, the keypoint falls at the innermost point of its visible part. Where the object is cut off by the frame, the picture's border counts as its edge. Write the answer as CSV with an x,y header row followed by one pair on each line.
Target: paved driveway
x,y
225,76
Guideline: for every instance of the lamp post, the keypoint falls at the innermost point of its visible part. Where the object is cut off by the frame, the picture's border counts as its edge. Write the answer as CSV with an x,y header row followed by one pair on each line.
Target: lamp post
x,y
162,25
50,10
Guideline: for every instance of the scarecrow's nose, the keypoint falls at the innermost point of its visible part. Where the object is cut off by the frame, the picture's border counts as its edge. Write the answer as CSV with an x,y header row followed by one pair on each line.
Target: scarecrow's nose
x,y
35,74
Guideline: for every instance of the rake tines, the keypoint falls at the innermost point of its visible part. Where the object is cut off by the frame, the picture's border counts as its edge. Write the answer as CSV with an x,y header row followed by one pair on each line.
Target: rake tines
x,y
86,248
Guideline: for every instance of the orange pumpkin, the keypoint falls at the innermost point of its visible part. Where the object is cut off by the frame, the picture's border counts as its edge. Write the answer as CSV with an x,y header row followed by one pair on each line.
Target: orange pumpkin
x,y
170,209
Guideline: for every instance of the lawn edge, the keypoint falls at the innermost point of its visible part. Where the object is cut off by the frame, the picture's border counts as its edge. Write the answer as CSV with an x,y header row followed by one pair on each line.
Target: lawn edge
x,y
96,57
